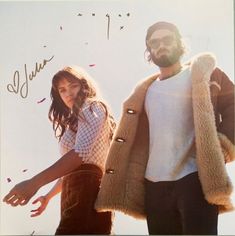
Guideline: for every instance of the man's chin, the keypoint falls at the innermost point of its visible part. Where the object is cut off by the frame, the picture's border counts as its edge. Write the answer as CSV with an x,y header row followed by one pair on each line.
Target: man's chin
x,y
165,61
162,62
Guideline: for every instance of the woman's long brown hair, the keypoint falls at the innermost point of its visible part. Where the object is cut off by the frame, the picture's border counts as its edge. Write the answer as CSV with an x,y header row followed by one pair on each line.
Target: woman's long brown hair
x,y
60,115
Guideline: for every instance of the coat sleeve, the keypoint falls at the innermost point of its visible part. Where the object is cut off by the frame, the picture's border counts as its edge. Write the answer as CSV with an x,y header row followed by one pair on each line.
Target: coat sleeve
x,y
226,107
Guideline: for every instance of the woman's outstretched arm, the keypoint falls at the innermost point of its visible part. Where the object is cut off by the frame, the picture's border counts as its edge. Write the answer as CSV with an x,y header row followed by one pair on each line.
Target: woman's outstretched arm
x,y
24,191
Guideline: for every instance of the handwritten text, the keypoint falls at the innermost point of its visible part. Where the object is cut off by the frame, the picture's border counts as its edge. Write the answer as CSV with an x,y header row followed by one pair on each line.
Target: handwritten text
x,y
23,88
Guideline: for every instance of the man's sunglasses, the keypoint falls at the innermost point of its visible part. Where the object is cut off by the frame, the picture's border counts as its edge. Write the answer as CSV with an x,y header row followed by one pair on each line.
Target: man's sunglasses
x,y
155,43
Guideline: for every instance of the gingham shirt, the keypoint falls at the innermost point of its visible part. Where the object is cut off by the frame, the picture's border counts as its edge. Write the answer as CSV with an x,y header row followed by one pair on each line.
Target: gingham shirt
x,y
91,141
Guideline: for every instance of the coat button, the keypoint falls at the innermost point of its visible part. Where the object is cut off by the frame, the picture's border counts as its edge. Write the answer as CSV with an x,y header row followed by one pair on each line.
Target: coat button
x,y
110,171
130,111
120,140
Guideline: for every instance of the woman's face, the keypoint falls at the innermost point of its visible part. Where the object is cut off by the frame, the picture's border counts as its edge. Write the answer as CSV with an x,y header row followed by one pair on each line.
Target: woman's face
x,y
68,90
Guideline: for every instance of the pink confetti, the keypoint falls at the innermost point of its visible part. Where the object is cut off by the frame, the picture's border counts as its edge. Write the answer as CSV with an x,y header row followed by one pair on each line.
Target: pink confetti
x,y
24,170
41,100
91,65
8,180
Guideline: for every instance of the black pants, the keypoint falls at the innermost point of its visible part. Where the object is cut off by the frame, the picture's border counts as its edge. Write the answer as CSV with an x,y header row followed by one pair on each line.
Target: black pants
x,y
79,192
179,207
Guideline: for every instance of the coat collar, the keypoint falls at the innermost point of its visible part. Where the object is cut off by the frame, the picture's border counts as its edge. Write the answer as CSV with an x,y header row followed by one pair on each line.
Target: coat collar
x,y
201,67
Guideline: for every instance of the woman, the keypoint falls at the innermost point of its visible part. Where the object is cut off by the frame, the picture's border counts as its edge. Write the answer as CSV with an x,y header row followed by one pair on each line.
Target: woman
x,y
84,127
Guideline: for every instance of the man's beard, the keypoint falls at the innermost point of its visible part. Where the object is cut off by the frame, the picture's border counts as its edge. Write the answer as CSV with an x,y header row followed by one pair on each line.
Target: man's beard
x,y
167,60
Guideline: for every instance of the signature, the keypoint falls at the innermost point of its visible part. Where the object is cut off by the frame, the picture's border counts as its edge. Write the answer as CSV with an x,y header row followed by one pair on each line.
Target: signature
x,y
23,88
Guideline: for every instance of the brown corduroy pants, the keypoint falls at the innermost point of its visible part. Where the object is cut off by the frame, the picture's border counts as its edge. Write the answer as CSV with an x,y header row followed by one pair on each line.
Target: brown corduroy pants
x,y
79,192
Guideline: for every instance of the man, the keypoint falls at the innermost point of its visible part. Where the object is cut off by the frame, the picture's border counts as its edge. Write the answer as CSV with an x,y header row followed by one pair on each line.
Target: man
x,y
167,159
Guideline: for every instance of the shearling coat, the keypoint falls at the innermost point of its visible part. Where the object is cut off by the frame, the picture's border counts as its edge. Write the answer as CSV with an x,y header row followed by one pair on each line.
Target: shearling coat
x,y
122,187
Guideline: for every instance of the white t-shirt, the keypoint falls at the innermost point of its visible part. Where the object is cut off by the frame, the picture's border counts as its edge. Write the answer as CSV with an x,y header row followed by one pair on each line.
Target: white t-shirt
x,y
168,105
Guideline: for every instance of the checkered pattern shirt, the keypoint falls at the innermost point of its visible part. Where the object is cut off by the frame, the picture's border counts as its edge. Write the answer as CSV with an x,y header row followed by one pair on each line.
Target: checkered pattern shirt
x,y
91,141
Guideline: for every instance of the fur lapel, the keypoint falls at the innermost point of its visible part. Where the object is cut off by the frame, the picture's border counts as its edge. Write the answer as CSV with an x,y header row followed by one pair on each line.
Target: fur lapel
x,y
215,182
136,100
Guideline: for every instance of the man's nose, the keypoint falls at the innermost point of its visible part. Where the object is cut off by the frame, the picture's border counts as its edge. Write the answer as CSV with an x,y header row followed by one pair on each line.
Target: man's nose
x,y
161,45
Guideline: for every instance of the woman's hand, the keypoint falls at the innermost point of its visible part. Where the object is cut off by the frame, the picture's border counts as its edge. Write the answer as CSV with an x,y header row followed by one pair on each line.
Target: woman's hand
x,y
43,204
21,193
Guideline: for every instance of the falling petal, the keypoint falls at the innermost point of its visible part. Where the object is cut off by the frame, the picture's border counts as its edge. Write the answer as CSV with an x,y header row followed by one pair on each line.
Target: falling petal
x,y
41,100
61,28
24,170
8,180
121,27
91,65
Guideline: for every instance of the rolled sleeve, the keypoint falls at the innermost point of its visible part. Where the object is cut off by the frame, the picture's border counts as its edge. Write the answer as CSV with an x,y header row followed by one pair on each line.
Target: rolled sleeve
x,y
89,129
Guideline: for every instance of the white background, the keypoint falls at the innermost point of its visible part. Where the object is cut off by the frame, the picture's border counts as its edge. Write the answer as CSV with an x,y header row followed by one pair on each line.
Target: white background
x,y
33,31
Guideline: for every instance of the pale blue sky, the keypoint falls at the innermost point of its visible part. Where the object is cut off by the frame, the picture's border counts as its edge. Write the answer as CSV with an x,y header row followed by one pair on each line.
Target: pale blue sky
x,y
33,31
